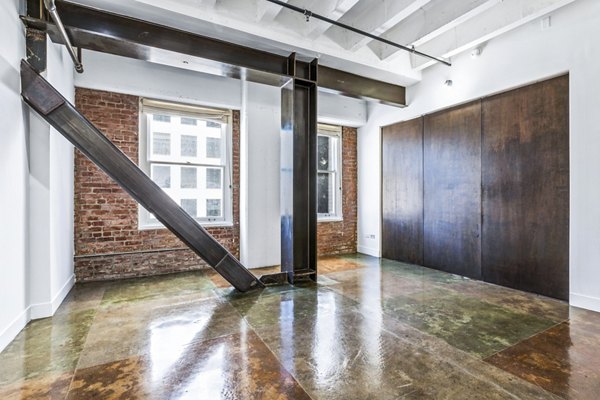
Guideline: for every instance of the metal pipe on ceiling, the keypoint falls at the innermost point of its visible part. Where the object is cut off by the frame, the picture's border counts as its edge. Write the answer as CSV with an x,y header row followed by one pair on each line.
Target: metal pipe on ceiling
x,y
309,14
51,7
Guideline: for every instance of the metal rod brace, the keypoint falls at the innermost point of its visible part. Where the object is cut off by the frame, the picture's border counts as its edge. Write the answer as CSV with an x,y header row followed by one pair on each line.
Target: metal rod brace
x,y
51,7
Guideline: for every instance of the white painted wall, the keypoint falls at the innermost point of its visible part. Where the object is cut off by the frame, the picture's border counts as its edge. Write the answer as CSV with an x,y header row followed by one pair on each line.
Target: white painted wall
x,y
518,58
141,78
51,274
13,178
261,245
260,129
61,184
338,110
36,186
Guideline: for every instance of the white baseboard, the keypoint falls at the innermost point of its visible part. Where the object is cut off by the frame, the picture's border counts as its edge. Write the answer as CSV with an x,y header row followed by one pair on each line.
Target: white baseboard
x,y
370,251
13,329
35,311
45,310
587,302
62,293
40,310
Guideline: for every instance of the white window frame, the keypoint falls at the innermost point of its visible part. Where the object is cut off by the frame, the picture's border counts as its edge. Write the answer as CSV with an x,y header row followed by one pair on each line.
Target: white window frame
x,y
335,132
148,107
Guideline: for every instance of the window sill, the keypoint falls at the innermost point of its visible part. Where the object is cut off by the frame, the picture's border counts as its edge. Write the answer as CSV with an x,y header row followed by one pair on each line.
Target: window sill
x,y
220,224
330,219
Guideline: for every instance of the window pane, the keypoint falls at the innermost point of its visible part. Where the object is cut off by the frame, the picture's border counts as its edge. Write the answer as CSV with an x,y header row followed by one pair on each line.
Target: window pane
x,y
189,121
213,147
190,206
213,178
189,146
323,193
161,175
213,208
323,153
161,118
189,178
161,144
186,156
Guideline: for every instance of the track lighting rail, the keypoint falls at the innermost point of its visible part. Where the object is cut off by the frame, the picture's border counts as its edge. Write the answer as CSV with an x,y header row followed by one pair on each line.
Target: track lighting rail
x,y
309,14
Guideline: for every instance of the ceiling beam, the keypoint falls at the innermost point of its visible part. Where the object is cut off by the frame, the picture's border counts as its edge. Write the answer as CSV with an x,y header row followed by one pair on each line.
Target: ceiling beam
x,y
314,28
429,22
97,30
506,16
339,9
267,12
372,17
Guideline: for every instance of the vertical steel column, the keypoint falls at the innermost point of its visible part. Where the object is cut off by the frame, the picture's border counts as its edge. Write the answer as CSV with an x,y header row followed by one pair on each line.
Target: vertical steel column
x,y
299,173
35,39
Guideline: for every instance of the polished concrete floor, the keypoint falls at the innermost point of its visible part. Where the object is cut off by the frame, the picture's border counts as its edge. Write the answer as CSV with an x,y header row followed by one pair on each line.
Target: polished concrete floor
x,y
370,329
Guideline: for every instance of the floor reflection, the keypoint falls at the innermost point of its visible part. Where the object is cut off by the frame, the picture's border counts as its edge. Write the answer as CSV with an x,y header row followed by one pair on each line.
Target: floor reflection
x,y
369,329
167,341
565,360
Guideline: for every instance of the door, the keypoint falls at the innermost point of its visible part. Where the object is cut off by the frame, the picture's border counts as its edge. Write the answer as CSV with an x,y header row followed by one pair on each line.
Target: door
x,y
402,191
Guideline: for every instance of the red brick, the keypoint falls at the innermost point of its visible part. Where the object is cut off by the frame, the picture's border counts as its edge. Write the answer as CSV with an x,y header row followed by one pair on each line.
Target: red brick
x,y
106,217
339,237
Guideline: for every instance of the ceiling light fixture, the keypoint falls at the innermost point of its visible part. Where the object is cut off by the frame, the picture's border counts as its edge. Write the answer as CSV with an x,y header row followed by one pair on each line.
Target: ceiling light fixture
x,y
476,52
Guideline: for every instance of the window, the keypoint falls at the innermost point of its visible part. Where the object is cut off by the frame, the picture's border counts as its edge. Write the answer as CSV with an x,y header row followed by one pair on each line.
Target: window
x,y
213,207
161,118
213,178
329,176
190,206
189,177
161,144
161,175
213,147
189,146
186,150
189,121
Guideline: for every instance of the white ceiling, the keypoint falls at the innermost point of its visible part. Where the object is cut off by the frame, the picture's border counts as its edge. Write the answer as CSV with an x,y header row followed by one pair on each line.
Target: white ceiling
x,y
442,28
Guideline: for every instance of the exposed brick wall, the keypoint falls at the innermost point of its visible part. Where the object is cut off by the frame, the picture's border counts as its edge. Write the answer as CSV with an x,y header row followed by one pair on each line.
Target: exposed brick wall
x,y
106,217
339,237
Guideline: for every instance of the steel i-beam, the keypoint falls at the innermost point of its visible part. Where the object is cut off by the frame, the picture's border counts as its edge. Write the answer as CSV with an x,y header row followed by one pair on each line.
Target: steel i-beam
x,y
299,175
64,117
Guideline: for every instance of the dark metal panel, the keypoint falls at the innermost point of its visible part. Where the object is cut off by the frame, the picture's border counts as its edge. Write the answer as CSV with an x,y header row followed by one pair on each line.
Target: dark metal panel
x,y
275,279
106,32
35,39
45,100
525,176
35,8
452,190
140,33
36,48
286,190
347,84
402,191
298,180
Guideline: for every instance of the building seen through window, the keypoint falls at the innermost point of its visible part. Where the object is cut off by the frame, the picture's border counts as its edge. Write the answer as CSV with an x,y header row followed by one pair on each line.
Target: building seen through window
x,y
329,168
186,153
